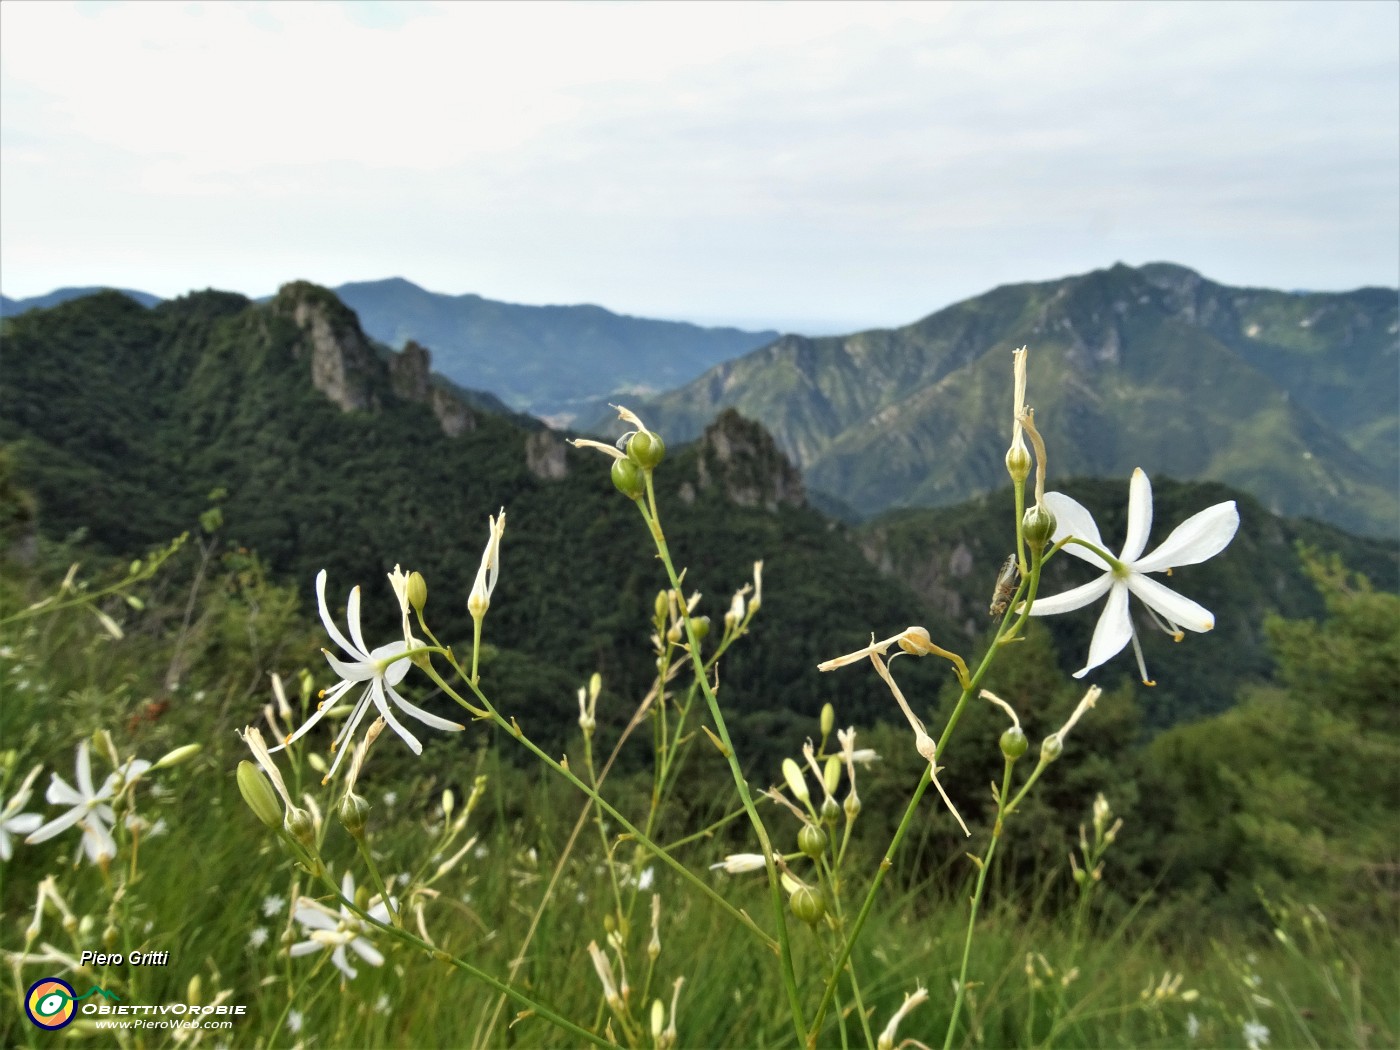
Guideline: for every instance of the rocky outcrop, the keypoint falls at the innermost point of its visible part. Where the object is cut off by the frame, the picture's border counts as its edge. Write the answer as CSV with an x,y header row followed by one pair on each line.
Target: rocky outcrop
x,y
343,365
740,459
544,455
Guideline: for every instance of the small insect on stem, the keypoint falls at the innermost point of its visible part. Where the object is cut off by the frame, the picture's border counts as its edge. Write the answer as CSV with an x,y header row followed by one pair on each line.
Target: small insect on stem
x,y
1006,587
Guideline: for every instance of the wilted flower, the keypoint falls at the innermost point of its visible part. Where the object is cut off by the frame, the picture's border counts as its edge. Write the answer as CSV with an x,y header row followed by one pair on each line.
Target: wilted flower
x,y
480,599
380,670
1199,537
739,863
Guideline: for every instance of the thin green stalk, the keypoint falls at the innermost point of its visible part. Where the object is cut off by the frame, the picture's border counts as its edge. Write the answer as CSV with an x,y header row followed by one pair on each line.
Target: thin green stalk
x,y
535,1007
765,844
661,854
362,841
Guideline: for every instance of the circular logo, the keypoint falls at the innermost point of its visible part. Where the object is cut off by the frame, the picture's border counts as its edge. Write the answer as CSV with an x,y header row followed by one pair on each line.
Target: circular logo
x,y
49,1003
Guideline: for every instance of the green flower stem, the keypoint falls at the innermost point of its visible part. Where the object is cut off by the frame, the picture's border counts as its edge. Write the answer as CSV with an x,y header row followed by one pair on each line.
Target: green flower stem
x,y
908,818
765,844
1020,489
660,852
400,934
362,841
982,869
476,647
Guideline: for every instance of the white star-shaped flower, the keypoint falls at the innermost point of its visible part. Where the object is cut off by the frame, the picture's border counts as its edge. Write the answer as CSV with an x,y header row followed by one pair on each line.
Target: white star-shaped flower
x,y
339,929
379,670
12,821
90,809
1199,537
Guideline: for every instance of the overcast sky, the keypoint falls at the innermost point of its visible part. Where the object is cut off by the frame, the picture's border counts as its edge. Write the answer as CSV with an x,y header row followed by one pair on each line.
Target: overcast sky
x,y
813,167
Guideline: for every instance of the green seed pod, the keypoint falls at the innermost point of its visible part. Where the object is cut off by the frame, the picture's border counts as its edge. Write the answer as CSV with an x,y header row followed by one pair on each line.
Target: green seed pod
x,y
701,626
1052,748
1018,463
807,904
811,840
1037,525
627,476
302,827
417,591
831,811
257,792
646,449
354,813
1014,743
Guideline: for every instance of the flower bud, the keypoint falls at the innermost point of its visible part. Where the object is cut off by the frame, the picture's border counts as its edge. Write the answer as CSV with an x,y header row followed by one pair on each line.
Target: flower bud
x,y
662,605
831,774
354,813
796,782
807,904
1014,743
417,590
646,449
701,626
627,476
1037,525
176,757
828,719
811,840
258,793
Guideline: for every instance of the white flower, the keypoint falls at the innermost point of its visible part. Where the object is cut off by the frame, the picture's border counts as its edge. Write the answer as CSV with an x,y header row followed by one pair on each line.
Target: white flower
x,y
12,821
338,930
1255,1035
1193,1026
1199,537
272,904
381,668
90,811
294,1021
257,937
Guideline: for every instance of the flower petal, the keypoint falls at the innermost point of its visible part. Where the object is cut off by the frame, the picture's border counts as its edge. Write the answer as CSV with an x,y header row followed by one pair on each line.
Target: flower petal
x,y
1073,519
352,617
376,689
98,843
56,826
84,770
61,793
1139,515
423,716
1114,630
366,951
1179,610
328,623
1199,537
361,671
1075,598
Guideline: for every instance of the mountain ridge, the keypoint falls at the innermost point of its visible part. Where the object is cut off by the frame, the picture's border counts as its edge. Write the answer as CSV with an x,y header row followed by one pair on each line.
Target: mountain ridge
x,y
1291,397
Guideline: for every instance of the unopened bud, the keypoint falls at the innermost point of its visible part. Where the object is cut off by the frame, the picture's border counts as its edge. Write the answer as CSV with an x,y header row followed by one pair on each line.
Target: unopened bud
x,y
257,792
701,626
828,719
831,774
179,755
796,782
417,591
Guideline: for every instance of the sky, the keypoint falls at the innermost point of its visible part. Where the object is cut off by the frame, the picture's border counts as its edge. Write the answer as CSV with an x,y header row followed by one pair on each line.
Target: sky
x,y
817,168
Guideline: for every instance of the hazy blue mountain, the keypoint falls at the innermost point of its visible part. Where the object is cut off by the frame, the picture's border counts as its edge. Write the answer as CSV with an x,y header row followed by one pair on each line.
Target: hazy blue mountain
x,y
1294,398
13,307
552,361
